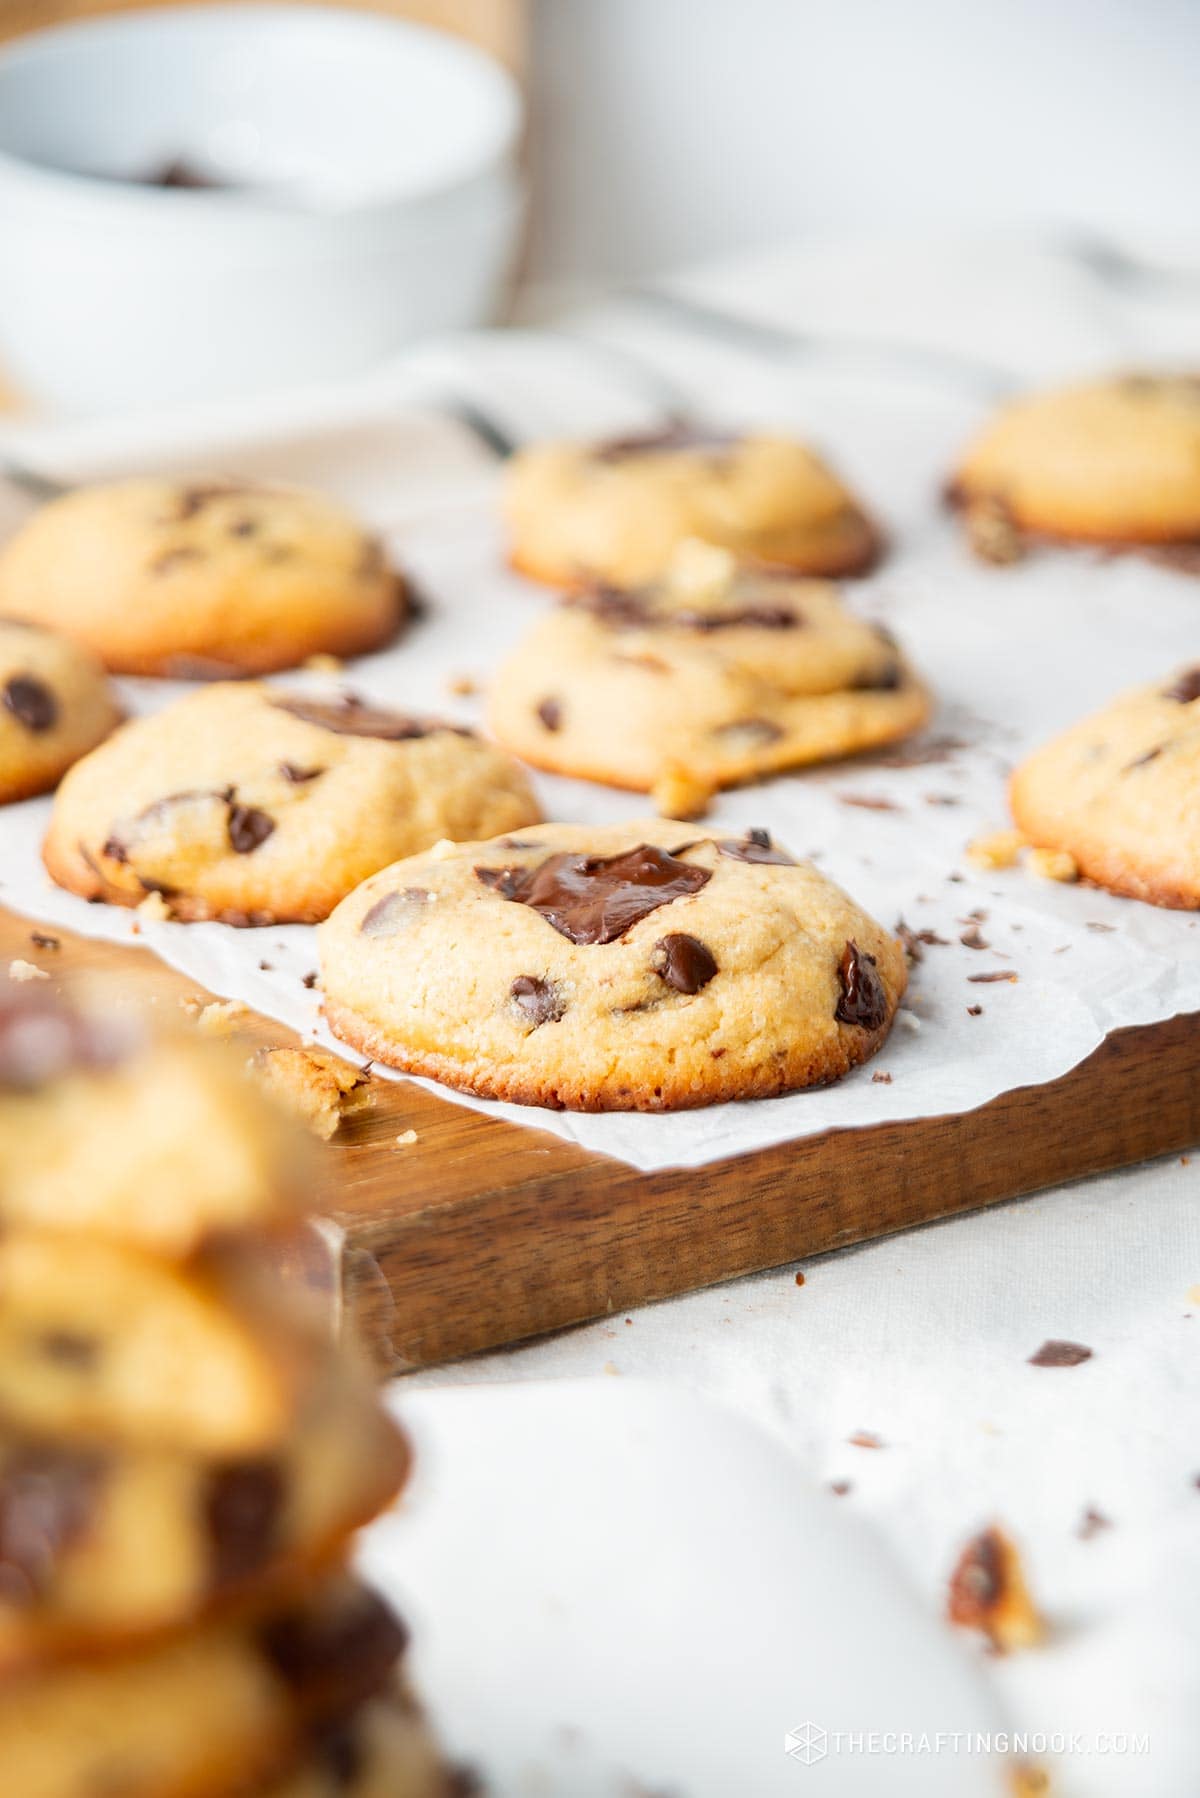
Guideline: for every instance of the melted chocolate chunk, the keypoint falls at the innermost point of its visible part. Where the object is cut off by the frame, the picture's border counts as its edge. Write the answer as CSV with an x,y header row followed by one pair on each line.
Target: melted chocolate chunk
x,y
248,828
351,1645
1186,688
351,718
863,999
550,713
41,1038
594,898
763,618
677,435
48,1496
885,680
390,914
756,846
618,607
243,1507
298,777
31,703
684,962
538,1001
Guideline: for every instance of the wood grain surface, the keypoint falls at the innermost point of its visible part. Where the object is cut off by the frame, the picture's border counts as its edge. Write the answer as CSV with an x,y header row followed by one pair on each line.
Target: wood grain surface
x,y
481,1233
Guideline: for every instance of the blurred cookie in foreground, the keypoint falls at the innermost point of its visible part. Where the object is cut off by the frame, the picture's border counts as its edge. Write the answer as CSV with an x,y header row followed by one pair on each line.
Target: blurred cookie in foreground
x,y
717,673
55,705
148,1137
1113,463
615,511
1120,793
104,1543
639,967
203,578
253,805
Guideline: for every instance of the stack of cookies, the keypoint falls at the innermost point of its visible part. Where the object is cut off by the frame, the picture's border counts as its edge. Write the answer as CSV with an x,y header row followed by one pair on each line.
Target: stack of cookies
x,y
184,1457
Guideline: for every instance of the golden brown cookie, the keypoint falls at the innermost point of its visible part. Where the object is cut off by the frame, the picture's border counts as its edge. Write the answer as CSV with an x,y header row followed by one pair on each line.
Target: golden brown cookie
x,y
1114,462
103,1544
201,579
1120,793
638,967
150,1138
254,805
206,1715
615,511
98,1341
718,672
55,705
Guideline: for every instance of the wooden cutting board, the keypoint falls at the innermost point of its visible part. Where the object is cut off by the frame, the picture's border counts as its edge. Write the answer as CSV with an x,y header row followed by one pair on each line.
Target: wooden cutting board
x,y
481,1233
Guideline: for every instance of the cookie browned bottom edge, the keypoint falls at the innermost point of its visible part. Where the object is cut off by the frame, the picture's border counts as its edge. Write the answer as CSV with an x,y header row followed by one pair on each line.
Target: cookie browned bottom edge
x,y
281,1577
792,1073
271,655
1168,548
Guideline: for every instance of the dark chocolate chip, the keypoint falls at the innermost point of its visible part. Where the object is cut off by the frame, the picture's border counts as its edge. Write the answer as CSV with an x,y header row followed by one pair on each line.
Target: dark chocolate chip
x,y
244,527
69,1348
1186,688
550,713
243,1508
351,1645
678,435
194,499
883,680
763,618
756,846
48,1495
618,607
863,1000
351,718
31,703
309,980
248,828
1060,1354
538,1001
41,939
298,777
391,913
596,899
684,962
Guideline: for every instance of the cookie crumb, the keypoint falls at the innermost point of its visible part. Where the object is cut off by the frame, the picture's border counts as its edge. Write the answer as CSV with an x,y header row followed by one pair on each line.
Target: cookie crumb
x,y
463,686
1053,864
999,850
24,970
865,1439
799,1279
988,1593
317,1087
881,1079
406,1139
1091,1524
220,1017
680,794
974,1011
840,1487
323,663
1055,1353
992,534
154,909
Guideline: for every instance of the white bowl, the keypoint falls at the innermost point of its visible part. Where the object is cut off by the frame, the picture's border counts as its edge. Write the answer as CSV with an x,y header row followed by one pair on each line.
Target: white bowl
x,y
371,196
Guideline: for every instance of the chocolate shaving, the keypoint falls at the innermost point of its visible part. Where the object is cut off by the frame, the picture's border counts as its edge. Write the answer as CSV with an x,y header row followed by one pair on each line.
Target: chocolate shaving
x,y
1060,1354
994,974
973,939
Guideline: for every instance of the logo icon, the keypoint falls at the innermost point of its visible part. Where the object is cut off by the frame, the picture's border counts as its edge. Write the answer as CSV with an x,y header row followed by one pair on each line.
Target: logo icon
x,y
806,1744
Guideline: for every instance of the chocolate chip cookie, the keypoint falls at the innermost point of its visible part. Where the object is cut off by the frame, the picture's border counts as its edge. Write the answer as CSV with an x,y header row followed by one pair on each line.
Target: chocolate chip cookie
x,y
254,805
202,579
1120,793
55,705
220,1711
615,511
100,1342
154,1140
102,1543
720,672
640,967
1114,462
